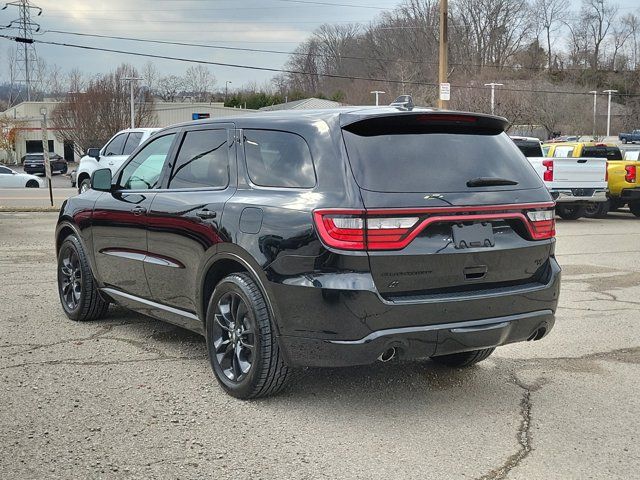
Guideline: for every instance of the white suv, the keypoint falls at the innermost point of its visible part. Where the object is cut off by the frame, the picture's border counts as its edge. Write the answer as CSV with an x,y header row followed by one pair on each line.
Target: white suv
x,y
112,155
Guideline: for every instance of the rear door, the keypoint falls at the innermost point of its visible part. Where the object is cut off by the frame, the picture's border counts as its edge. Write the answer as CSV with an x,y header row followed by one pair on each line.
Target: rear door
x,y
185,216
439,193
119,219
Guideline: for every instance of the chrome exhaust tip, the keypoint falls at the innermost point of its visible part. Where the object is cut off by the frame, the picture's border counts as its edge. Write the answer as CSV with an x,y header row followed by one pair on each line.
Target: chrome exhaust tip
x,y
387,355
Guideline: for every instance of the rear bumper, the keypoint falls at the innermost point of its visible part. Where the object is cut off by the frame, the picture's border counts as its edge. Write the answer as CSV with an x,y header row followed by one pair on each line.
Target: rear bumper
x,y
325,322
579,195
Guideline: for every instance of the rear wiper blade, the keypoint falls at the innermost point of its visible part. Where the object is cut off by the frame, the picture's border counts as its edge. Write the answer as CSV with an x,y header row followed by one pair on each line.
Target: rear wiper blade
x,y
490,182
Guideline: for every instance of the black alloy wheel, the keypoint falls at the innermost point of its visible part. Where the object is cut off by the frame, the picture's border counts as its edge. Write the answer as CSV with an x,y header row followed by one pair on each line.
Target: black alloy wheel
x,y
233,336
597,210
570,212
70,278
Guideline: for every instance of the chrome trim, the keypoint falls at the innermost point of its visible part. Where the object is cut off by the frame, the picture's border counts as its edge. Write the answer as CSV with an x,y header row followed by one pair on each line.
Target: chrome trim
x,y
113,292
568,196
490,323
124,254
141,257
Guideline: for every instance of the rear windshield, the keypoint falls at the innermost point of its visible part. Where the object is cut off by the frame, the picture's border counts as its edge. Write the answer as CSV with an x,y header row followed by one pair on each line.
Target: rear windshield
x,y
610,153
435,159
529,148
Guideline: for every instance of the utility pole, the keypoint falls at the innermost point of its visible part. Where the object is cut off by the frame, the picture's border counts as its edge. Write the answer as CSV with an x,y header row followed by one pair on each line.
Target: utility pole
x,y
26,58
443,57
595,100
45,151
377,93
133,108
493,86
609,110
226,90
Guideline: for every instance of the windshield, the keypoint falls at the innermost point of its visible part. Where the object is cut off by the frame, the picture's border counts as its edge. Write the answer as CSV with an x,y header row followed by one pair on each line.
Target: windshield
x,y
434,161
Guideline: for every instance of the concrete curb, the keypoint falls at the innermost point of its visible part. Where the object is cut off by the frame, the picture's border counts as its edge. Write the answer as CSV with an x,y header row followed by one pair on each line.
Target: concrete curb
x,y
29,209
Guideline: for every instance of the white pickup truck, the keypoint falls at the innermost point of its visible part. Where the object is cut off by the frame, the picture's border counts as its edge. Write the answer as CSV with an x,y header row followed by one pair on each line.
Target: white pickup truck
x,y
111,156
573,182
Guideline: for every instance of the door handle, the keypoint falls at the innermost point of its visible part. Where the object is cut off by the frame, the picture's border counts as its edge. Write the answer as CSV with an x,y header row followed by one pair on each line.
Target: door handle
x,y
206,214
138,210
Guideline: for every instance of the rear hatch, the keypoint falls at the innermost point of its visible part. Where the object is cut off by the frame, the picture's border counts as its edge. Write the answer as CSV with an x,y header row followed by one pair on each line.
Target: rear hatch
x,y
451,205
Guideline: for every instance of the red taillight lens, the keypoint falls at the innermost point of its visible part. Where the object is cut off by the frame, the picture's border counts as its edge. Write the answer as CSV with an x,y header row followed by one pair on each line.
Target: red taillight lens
x,y
543,224
606,172
353,230
548,173
630,176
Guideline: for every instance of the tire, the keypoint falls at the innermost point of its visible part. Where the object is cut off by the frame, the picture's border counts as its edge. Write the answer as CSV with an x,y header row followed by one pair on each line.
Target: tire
x,y
624,140
32,184
635,208
241,371
83,302
84,185
597,210
570,212
64,169
464,359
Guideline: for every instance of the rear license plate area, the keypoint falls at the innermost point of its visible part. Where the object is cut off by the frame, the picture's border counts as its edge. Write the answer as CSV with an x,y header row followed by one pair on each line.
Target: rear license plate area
x,y
476,235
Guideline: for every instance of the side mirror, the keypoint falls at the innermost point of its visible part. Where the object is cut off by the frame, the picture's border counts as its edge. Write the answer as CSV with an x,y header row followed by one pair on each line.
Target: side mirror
x,y
94,153
101,180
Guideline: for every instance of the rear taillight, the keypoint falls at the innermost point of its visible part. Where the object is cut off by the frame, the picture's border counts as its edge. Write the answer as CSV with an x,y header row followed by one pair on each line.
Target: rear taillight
x,y
543,224
548,173
630,176
353,230
606,172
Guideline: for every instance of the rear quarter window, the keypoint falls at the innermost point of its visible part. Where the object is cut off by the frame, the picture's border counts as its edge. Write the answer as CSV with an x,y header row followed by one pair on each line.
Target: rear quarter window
x,y
278,159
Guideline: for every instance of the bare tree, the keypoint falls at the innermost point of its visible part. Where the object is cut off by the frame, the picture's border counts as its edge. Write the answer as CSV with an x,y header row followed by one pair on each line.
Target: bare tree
x,y
621,32
550,14
597,17
199,81
169,87
90,118
150,76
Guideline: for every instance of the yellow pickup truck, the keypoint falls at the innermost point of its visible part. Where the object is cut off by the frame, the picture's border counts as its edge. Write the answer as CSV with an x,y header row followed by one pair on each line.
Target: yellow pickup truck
x,y
623,185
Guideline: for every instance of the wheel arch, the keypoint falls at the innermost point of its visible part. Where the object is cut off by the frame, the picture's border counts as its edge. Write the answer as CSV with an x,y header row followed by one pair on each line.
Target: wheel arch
x,y
82,176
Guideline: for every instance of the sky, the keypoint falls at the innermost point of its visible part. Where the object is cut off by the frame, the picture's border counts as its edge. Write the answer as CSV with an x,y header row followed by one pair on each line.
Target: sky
x,y
264,24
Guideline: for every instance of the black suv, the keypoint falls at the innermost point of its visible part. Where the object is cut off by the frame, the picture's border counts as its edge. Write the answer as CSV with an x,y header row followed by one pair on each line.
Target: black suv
x,y
34,163
320,238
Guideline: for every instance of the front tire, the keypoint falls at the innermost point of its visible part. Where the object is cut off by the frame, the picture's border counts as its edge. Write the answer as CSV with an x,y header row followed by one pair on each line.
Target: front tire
x,y
77,287
570,212
241,342
597,210
634,207
463,359
84,185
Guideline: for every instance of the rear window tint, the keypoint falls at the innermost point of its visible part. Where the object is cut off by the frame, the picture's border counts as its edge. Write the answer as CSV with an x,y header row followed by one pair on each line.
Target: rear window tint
x,y
278,159
610,153
528,148
435,161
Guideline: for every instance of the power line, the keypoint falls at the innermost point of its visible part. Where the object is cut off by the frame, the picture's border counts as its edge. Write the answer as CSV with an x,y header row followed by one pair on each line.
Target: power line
x,y
315,55
283,70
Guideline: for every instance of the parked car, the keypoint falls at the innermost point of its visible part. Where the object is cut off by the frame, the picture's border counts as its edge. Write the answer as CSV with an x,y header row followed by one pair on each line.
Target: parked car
x,y
11,179
630,137
283,238
575,184
623,188
34,163
111,156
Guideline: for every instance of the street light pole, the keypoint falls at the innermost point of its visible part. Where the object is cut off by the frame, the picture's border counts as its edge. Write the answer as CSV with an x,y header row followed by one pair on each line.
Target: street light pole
x,y
493,86
133,109
226,90
376,93
595,100
609,110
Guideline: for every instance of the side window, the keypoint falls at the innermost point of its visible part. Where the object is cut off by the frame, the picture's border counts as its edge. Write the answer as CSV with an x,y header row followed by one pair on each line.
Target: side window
x,y
133,140
4,170
142,172
114,147
278,159
203,160
563,152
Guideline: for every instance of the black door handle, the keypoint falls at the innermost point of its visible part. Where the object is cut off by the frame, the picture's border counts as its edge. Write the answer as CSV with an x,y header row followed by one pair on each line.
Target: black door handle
x,y
138,210
206,214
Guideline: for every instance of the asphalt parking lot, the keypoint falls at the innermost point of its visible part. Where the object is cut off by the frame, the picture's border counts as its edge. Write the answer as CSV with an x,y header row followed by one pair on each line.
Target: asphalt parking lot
x,y
130,397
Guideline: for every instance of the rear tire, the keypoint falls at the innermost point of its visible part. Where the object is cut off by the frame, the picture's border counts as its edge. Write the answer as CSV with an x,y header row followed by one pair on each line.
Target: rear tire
x,y
64,169
570,212
84,185
241,342
32,184
77,287
635,208
597,210
463,359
